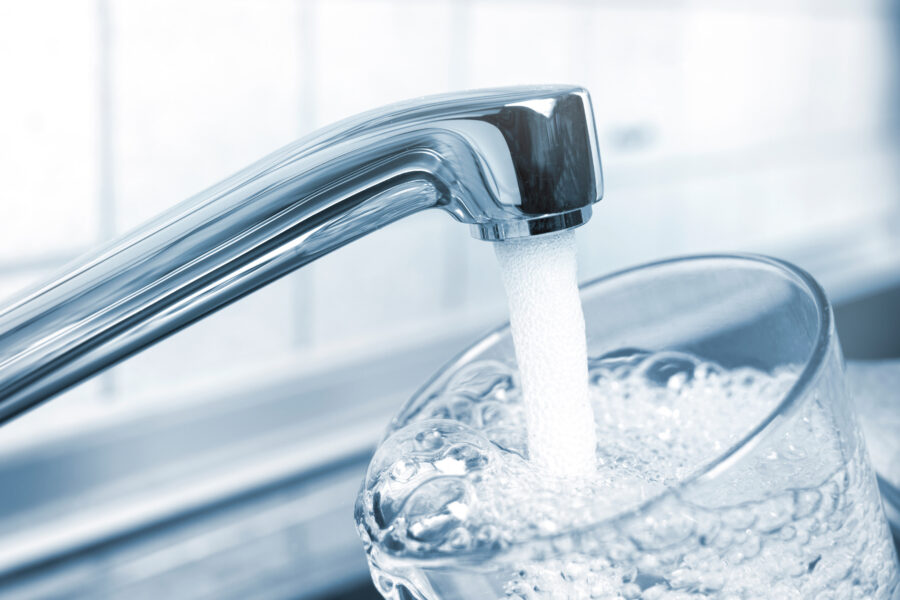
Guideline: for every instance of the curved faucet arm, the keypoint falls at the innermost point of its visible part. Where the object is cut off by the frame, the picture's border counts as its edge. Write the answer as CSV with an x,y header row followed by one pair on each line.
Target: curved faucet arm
x,y
510,162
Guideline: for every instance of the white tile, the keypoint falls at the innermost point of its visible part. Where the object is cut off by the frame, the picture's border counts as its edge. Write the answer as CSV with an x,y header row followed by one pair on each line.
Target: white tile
x,y
523,43
634,70
48,126
384,284
370,53
854,59
826,196
747,78
201,89
249,332
630,226
763,209
719,212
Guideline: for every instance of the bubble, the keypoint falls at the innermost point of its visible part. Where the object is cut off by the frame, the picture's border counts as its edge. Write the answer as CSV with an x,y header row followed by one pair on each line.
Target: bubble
x,y
385,585
462,485
509,440
483,380
404,470
463,411
494,414
468,456
383,509
806,502
430,440
620,357
669,370
435,509
775,513
488,535
459,539
739,518
708,371
440,411
654,533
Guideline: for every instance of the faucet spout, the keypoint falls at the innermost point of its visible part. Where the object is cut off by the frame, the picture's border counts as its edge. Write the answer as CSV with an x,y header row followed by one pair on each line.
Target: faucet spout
x,y
510,162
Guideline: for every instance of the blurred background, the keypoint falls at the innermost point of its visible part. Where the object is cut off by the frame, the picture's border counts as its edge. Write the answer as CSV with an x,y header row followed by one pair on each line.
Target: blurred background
x,y
223,462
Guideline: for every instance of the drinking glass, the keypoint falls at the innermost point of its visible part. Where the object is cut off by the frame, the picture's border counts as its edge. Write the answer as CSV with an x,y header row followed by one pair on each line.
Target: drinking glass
x,y
791,511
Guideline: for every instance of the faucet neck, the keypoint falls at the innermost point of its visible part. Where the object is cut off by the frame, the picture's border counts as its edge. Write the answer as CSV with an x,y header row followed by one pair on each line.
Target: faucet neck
x,y
509,162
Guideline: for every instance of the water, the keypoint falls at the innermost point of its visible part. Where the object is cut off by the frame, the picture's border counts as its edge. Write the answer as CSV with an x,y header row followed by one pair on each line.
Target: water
x,y
452,506
547,326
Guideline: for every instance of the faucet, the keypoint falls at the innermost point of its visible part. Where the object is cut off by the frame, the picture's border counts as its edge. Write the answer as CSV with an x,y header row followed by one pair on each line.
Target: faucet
x,y
509,162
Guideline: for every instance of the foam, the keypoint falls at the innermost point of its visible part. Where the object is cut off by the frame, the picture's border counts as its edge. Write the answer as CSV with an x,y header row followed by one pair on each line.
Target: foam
x,y
547,325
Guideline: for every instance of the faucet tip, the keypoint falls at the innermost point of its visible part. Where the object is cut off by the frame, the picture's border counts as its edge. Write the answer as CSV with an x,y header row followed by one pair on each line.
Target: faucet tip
x,y
546,171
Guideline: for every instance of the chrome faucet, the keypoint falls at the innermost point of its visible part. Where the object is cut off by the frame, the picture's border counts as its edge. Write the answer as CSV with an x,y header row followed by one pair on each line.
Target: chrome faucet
x,y
510,162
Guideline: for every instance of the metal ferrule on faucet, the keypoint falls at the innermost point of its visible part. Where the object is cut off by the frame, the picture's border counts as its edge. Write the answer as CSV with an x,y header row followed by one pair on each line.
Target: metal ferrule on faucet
x,y
511,163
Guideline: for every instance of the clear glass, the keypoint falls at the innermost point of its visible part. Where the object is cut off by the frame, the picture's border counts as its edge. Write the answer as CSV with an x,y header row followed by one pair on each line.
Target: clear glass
x,y
779,514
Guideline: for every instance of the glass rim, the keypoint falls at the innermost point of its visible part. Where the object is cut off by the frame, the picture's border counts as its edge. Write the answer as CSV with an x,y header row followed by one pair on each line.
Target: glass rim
x,y
763,428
